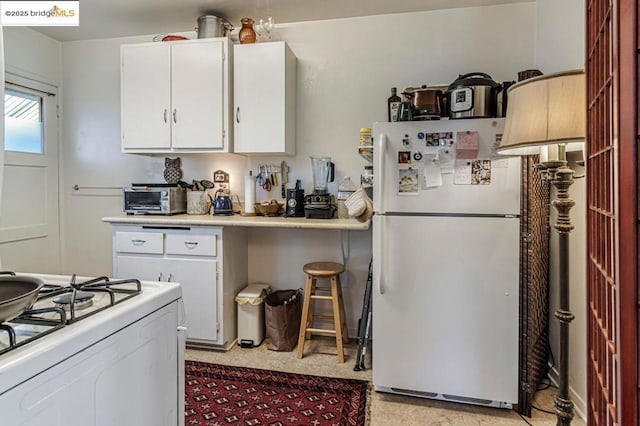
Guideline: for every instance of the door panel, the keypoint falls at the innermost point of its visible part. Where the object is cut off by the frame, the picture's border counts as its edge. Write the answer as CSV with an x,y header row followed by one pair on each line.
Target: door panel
x,y
445,306
29,213
259,76
612,213
146,103
197,95
502,195
200,294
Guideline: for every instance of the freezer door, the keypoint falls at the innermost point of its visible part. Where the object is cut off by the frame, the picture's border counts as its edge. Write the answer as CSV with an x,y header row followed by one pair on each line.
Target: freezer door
x,y
445,306
501,196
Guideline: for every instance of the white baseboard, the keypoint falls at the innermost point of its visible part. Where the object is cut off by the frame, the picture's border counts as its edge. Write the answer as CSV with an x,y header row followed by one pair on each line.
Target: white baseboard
x,y
579,404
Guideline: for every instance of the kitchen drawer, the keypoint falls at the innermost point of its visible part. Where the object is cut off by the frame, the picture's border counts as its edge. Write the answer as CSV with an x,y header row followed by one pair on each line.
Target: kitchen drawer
x,y
139,242
191,244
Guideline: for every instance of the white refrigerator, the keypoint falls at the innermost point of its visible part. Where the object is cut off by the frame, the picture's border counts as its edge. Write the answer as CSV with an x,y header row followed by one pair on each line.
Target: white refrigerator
x,y
445,262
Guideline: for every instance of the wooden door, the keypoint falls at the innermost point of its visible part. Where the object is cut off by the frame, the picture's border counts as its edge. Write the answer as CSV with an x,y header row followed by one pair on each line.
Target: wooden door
x,y
612,212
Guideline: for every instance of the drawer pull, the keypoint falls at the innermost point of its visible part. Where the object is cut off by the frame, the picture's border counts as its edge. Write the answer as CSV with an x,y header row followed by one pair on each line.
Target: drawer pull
x,y
160,277
138,242
170,277
190,244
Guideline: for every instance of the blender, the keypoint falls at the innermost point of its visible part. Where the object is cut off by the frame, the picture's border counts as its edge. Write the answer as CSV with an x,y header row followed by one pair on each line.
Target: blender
x,y
319,204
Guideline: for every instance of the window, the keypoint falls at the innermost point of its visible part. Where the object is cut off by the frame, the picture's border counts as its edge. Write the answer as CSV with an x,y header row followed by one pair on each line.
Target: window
x,y
23,122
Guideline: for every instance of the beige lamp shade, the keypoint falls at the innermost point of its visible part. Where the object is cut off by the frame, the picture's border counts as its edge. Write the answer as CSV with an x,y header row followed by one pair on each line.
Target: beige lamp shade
x,y
546,110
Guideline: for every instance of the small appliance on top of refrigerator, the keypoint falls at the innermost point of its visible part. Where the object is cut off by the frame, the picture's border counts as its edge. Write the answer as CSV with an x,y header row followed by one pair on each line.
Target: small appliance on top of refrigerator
x,y
445,262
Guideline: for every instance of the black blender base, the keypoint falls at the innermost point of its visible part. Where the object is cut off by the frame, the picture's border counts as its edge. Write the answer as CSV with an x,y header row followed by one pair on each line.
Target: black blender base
x,y
318,213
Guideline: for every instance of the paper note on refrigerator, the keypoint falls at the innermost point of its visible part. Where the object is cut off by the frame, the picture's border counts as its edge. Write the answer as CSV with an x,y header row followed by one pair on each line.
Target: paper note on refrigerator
x,y
462,172
467,144
432,174
446,158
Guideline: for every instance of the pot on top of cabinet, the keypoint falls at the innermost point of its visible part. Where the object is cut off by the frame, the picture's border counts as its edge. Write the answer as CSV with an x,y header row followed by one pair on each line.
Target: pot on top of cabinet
x,y
473,95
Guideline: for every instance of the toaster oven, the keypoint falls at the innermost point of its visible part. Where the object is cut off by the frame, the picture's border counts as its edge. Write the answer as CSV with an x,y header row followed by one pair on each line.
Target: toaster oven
x,y
161,199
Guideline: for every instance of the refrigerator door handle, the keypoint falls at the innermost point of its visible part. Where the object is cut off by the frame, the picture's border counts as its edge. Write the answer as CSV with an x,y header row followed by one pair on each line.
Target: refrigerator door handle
x,y
378,253
379,183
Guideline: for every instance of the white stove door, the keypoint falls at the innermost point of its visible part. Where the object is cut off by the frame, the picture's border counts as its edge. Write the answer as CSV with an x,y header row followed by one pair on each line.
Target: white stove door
x,y
129,378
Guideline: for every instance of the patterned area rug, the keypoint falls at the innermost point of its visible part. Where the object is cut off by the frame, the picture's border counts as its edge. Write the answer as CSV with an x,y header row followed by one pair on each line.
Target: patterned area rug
x,y
218,395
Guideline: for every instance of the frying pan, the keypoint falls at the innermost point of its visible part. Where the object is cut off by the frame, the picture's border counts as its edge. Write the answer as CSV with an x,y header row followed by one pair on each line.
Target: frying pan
x,y
17,294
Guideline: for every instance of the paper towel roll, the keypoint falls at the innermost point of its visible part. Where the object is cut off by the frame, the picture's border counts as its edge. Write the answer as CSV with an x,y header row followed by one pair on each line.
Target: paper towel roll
x,y
249,193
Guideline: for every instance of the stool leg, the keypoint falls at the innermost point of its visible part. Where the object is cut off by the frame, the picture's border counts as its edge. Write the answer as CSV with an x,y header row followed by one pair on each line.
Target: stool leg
x,y
343,316
337,321
311,308
305,315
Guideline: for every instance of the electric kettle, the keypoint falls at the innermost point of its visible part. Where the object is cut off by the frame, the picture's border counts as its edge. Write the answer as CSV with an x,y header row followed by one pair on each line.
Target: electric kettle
x,y
222,205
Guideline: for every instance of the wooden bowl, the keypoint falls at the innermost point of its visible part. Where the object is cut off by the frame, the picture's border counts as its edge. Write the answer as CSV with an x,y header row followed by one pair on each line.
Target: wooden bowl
x,y
271,208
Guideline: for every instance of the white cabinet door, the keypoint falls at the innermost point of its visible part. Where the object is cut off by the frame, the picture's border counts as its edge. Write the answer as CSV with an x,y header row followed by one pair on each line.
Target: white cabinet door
x,y
199,293
264,98
146,103
144,268
197,95
198,280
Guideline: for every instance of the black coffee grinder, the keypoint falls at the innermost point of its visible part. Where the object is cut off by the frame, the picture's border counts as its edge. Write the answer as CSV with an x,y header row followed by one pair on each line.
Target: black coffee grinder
x,y
320,204
295,201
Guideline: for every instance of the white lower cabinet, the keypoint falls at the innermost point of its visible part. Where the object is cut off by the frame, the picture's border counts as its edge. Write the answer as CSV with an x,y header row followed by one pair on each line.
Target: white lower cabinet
x,y
210,263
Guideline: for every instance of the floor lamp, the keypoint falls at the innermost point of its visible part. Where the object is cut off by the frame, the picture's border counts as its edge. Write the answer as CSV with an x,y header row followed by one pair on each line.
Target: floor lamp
x,y
546,116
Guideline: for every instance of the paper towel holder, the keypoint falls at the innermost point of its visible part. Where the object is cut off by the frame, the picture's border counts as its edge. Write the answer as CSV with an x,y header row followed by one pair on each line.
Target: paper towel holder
x,y
249,195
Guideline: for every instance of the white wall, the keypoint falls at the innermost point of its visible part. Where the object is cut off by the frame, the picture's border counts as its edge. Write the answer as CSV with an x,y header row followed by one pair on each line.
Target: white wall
x,y
560,30
346,68
345,71
32,55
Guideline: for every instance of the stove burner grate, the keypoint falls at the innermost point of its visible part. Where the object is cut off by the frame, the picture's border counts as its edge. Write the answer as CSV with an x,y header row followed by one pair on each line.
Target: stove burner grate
x,y
80,299
33,317
72,302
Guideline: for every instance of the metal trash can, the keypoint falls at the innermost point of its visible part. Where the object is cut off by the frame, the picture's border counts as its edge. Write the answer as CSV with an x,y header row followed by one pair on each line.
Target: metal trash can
x,y
251,314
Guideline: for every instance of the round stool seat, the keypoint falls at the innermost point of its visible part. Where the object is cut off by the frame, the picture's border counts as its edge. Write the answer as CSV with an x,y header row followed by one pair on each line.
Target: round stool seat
x,y
323,269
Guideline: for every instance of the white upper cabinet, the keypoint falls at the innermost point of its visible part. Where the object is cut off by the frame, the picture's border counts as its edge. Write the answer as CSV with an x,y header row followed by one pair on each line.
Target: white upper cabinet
x,y
175,96
146,96
264,87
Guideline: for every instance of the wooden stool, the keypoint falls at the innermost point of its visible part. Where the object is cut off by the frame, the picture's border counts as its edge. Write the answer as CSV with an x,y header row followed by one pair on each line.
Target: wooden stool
x,y
330,271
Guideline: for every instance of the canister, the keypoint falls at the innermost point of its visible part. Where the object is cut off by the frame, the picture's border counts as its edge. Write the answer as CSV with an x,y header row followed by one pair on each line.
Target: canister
x,y
366,142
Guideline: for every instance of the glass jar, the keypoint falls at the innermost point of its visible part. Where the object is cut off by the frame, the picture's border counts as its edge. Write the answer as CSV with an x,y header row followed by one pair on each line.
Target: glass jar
x,y
366,143
247,35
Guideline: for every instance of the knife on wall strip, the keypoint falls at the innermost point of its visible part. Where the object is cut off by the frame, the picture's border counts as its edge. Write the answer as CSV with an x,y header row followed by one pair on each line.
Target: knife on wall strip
x,y
284,178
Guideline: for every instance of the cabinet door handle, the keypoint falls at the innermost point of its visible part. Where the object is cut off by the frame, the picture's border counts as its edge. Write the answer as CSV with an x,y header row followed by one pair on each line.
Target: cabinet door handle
x,y
175,115
237,114
170,277
165,115
160,277
191,244
138,242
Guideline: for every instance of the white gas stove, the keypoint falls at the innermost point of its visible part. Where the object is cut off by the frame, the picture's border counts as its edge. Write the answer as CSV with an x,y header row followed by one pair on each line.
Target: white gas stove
x,y
115,358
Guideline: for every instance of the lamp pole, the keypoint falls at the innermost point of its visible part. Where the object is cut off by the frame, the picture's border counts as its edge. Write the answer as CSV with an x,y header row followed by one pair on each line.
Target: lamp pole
x,y
562,178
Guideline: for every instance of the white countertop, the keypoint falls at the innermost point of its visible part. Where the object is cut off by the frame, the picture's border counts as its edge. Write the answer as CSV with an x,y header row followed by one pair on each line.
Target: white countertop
x,y
237,220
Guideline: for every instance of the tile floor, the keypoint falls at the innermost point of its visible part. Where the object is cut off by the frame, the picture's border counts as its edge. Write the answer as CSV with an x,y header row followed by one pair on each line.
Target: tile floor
x,y
386,409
